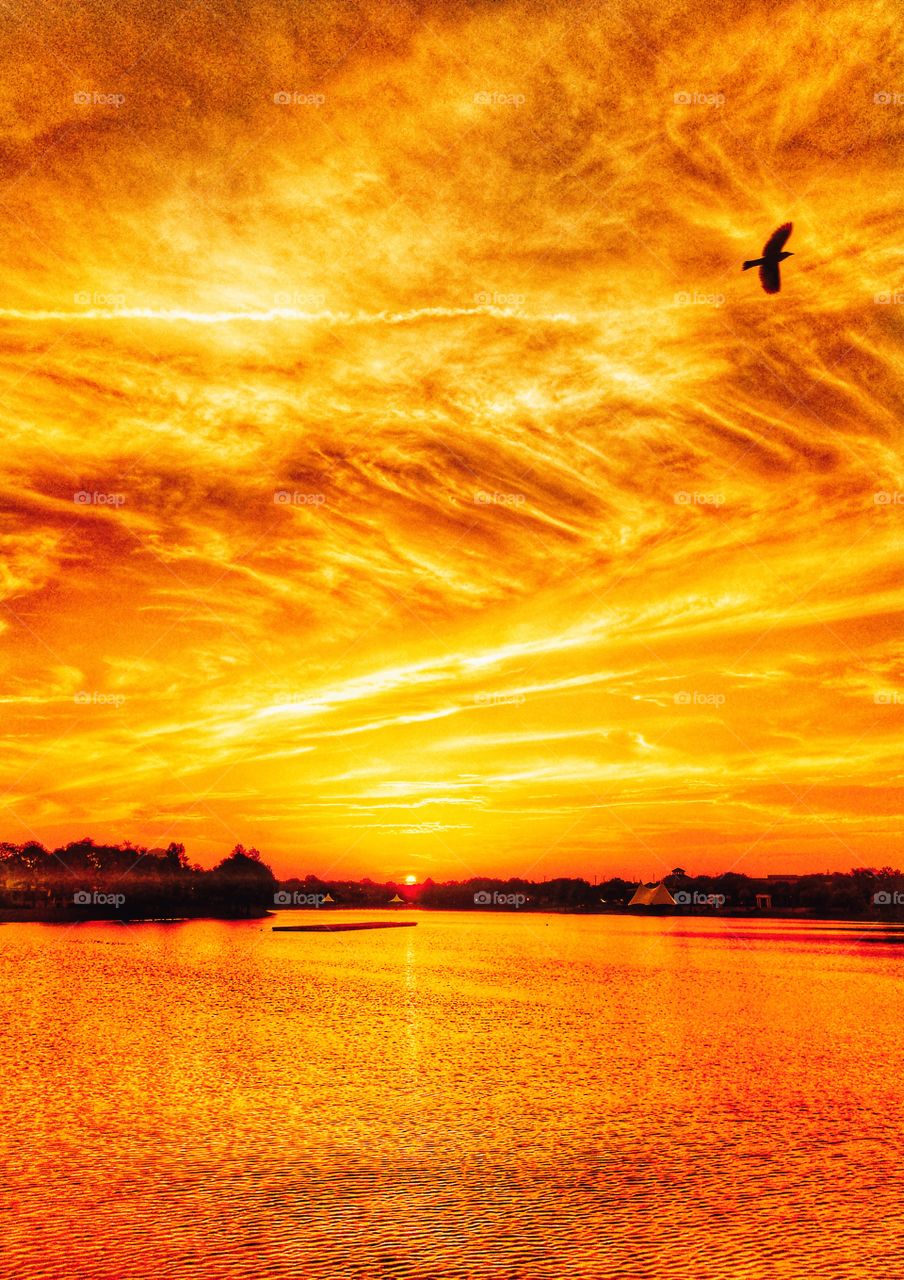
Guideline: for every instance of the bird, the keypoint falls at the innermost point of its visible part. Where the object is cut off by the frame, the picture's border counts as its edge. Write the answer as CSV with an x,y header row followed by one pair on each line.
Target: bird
x,y
770,278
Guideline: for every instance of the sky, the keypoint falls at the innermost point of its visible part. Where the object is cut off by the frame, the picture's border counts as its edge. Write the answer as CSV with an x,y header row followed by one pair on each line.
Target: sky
x,y
399,473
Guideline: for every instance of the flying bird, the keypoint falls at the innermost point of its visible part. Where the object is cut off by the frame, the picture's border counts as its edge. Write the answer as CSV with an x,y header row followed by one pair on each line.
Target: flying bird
x,y
770,277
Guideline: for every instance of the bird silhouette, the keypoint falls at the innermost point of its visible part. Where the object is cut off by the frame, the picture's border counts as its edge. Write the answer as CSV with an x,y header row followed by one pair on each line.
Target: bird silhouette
x,y
770,277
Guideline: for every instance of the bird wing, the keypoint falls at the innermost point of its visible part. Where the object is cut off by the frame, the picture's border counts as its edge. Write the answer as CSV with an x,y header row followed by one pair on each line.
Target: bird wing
x,y
770,278
777,240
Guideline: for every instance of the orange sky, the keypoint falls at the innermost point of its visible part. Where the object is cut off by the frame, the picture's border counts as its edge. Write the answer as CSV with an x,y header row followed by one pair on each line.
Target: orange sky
x,y
515,530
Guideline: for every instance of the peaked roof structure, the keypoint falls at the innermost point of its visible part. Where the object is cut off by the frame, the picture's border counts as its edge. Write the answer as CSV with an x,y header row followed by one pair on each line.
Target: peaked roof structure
x,y
656,895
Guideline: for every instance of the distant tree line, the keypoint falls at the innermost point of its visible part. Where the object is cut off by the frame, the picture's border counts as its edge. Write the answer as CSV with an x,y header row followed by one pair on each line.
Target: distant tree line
x,y
87,879
129,881
862,892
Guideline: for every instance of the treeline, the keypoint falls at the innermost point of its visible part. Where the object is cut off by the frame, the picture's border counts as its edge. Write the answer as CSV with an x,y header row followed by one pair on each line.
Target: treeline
x,y
862,892
129,881
126,880
451,896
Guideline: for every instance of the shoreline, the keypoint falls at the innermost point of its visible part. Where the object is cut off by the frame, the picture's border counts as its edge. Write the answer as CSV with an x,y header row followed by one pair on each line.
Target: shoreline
x,y
19,915
16,915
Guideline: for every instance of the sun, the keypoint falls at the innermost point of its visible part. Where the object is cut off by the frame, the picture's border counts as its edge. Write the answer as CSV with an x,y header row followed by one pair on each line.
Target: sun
x,y
411,879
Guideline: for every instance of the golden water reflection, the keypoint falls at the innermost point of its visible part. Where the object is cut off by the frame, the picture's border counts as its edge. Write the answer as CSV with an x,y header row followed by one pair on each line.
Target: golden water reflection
x,y
483,1096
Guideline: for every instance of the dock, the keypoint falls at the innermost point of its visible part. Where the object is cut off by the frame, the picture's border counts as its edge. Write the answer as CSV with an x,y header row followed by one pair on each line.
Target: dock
x,y
341,928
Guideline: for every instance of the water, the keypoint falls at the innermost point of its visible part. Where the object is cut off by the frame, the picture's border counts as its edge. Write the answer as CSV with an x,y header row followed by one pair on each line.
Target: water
x,y
488,1096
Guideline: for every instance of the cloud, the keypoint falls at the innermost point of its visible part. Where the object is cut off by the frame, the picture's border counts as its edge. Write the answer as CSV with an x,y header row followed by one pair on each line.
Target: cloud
x,y
385,415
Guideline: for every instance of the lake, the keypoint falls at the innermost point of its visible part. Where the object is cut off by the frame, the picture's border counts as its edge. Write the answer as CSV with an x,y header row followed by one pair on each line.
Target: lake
x,y
486,1095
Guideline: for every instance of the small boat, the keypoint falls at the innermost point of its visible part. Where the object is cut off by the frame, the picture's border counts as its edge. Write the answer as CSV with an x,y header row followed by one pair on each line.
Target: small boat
x,y
340,928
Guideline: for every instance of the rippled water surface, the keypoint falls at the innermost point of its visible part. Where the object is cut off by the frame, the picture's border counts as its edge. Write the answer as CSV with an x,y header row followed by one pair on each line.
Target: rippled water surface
x,y
482,1096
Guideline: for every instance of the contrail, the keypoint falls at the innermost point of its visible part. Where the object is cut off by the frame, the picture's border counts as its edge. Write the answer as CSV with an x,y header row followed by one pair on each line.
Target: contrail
x,y
176,315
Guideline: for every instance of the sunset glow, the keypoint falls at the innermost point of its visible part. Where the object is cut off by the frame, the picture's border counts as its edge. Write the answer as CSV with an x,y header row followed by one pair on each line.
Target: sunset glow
x,y
399,472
